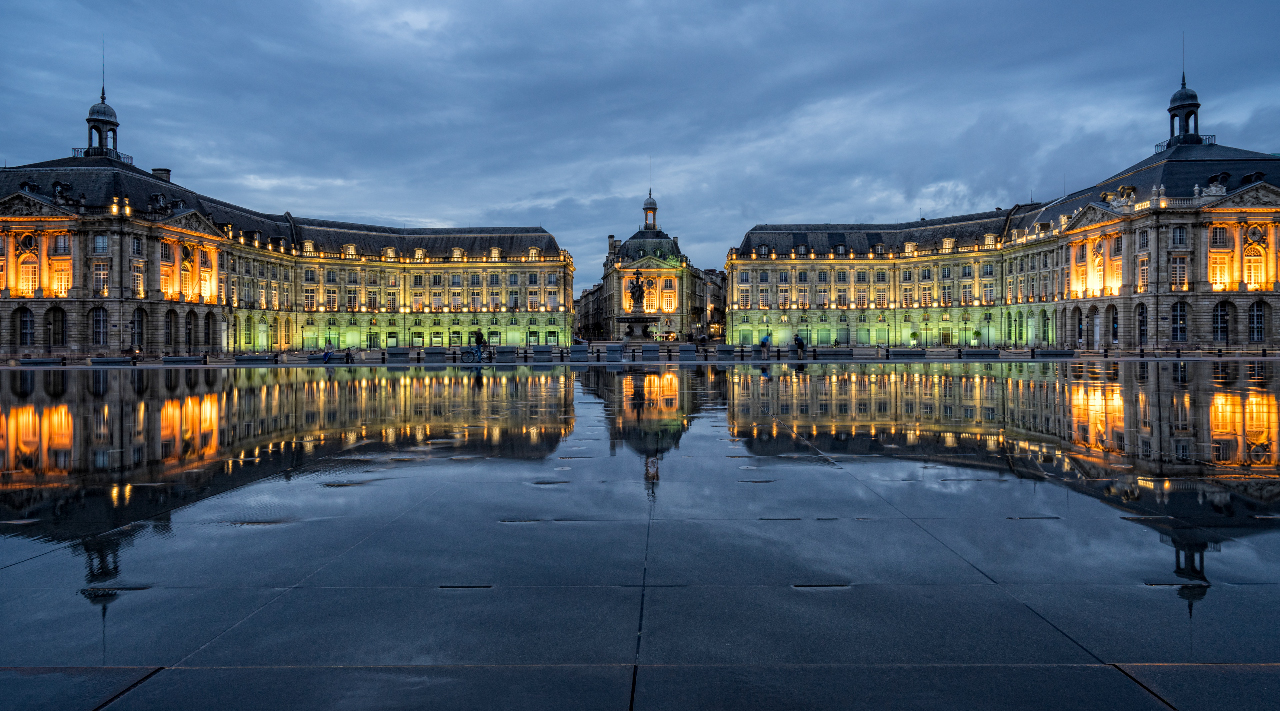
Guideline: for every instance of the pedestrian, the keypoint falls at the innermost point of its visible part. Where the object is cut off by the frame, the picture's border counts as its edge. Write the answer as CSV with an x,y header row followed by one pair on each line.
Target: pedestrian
x,y
764,346
799,345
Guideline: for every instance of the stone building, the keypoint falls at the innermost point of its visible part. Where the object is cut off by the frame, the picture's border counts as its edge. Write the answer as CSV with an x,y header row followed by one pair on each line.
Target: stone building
x,y
682,297
1178,250
100,257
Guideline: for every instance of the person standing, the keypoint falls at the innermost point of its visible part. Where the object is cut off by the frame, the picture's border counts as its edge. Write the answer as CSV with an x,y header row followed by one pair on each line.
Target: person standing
x,y
799,345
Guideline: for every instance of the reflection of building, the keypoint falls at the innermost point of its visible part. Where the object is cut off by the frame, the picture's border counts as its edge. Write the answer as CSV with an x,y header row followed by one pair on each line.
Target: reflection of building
x,y
117,431
685,300
1180,248
101,257
1112,431
649,410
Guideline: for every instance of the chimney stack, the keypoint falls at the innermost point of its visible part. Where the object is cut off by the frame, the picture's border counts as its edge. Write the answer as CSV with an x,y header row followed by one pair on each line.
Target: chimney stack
x,y
162,173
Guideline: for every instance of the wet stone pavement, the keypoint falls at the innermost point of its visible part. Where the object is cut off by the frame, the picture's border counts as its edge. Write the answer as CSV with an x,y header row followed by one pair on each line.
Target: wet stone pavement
x,y
1096,535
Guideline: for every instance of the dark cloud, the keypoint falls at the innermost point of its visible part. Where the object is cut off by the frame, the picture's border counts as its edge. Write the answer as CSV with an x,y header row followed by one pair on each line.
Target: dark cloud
x,y
465,113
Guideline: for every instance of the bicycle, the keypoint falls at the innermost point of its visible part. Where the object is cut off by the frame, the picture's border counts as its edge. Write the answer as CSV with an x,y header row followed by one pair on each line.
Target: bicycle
x,y
477,354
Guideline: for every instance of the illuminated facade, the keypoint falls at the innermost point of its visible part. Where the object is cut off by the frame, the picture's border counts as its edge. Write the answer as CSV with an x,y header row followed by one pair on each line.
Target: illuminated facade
x,y
101,258
686,301
1177,251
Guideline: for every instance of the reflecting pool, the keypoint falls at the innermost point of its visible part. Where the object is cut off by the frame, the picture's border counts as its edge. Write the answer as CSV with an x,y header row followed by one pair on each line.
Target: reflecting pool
x,y
1093,534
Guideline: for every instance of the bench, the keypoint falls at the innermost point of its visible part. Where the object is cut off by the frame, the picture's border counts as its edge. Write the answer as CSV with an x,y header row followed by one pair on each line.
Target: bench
x,y
183,359
1047,353
688,352
42,361
578,354
503,354
112,361
907,353
979,353
248,358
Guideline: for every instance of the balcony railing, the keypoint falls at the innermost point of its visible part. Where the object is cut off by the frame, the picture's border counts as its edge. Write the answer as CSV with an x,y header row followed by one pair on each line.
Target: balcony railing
x,y
1207,139
108,152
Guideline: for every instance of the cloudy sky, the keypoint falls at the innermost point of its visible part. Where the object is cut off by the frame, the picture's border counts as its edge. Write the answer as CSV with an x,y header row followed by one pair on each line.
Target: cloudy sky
x,y
551,113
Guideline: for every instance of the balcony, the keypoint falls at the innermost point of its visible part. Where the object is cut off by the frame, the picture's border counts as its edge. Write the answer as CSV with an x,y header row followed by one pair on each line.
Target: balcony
x,y
1179,287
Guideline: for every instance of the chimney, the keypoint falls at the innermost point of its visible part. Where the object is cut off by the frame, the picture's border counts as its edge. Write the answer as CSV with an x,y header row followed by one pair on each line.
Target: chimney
x,y
162,173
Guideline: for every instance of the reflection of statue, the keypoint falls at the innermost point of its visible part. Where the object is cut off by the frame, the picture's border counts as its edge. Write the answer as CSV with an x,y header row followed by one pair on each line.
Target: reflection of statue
x,y
637,294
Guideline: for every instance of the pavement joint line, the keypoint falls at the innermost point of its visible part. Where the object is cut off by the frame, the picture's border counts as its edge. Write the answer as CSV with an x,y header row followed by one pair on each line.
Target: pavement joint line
x,y
1145,688
128,688
644,580
298,585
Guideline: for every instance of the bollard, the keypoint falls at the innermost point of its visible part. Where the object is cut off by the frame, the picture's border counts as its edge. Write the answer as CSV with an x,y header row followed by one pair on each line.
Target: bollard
x,y
1142,353
1104,352
1177,352
1219,352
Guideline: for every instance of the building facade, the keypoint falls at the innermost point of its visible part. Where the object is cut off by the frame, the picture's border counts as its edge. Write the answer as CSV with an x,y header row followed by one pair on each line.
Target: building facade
x,y
102,258
686,301
1177,251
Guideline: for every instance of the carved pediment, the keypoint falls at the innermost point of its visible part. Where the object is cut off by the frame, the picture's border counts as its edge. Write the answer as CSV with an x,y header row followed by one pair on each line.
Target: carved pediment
x,y
27,205
193,221
649,261
1256,195
1093,214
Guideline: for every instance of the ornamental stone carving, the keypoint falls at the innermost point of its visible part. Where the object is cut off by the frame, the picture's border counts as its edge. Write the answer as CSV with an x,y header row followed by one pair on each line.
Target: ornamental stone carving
x,y
23,205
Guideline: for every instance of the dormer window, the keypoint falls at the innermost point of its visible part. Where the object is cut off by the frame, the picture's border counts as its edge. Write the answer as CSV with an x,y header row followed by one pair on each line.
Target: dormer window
x,y
458,254
840,249
419,254
948,243
533,253
989,240
495,254
349,250
389,252
909,247
308,246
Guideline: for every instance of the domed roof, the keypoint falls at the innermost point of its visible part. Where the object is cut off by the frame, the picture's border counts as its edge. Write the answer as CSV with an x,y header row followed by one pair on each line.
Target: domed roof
x,y
101,112
650,202
1183,96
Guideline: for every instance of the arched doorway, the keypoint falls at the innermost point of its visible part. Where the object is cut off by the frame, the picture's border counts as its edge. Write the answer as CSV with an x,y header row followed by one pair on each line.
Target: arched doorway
x,y
1091,334
1140,320
1222,320
1112,321
56,321
170,328
263,335
138,326
189,333
210,325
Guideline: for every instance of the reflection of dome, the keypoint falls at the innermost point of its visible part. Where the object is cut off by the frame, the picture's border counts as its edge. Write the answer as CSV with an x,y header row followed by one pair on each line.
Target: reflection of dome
x,y
101,111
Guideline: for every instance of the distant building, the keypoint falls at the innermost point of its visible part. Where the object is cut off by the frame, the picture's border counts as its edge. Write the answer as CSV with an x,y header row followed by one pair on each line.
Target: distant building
x,y
100,257
1179,250
685,299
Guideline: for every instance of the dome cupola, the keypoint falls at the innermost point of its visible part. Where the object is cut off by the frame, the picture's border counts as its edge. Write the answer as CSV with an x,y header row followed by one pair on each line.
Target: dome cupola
x,y
1184,116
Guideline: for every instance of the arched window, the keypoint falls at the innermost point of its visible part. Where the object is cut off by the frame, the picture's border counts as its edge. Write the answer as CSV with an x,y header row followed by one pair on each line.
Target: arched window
x,y
275,332
1140,316
1178,322
98,323
1221,322
28,275
1257,322
208,329
1254,271
190,332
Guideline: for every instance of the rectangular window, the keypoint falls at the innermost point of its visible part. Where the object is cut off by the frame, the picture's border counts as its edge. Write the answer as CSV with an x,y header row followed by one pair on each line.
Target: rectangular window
x,y
61,278
1178,273
946,272
764,279
1144,239
309,299
1218,237
533,279
1143,275
100,244
100,277
391,301
533,300
744,277
331,299
906,276
860,298
907,297
882,277
138,269
309,276
784,277
842,277
966,271
1218,269
802,277
1179,239
926,296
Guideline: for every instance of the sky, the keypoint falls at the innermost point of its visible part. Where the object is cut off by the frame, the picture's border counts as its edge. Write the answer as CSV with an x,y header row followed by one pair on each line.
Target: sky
x,y
564,114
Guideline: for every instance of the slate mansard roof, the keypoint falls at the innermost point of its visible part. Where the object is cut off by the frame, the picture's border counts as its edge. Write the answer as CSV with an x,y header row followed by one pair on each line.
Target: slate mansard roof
x,y
93,183
1179,170
863,238
649,243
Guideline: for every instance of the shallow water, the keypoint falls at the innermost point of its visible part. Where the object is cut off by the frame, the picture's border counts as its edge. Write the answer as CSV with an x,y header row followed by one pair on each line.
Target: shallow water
x,y
1055,535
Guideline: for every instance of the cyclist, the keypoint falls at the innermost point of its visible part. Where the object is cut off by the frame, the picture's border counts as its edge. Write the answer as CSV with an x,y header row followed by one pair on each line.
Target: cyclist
x,y
479,347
